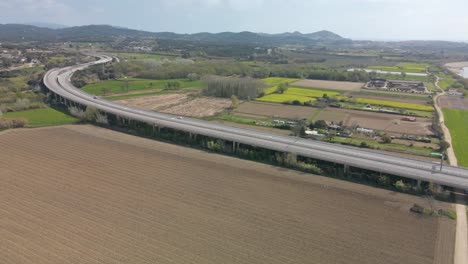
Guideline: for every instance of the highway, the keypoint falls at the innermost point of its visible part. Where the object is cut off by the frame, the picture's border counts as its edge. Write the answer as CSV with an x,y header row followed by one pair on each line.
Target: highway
x,y
58,82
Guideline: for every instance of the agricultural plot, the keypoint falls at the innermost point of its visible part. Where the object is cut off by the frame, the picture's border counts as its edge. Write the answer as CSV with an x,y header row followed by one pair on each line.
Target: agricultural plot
x,y
273,82
43,117
457,122
453,102
402,105
258,109
310,92
403,67
286,97
330,85
180,104
446,83
405,98
106,197
133,85
389,123
294,93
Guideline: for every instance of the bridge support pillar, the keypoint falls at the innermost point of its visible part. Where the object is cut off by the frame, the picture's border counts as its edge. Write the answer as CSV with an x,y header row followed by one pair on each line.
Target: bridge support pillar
x,y
418,184
346,169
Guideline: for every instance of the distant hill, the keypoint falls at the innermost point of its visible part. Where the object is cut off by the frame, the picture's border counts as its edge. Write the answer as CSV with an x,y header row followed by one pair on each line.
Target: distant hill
x,y
46,25
105,33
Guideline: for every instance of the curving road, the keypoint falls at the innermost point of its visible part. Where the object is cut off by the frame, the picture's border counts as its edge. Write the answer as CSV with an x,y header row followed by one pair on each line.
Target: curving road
x,y
461,236
58,82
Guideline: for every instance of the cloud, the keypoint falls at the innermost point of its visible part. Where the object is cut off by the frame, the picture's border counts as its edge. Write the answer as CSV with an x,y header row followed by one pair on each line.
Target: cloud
x,y
231,4
34,10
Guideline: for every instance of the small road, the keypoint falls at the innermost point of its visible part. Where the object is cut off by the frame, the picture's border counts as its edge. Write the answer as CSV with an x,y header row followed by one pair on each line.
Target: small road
x,y
25,66
461,238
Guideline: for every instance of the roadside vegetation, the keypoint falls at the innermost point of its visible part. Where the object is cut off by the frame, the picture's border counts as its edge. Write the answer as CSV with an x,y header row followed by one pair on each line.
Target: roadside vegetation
x,y
42,117
457,122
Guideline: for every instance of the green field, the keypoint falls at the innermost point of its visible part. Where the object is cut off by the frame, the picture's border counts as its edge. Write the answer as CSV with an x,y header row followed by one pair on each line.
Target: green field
x,y
119,86
457,122
310,92
235,119
394,95
430,86
273,83
407,78
43,117
295,93
140,56
57,59
283,98
403,67
445,83
410,106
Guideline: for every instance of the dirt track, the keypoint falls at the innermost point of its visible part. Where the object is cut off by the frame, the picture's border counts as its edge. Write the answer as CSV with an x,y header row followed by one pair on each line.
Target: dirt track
x,y
80,194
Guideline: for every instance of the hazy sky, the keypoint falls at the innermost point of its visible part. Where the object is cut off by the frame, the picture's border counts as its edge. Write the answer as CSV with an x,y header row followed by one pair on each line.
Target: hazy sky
x,y
357,19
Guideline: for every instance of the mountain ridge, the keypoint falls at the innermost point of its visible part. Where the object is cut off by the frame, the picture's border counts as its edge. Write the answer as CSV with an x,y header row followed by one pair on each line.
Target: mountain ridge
x,y
96,33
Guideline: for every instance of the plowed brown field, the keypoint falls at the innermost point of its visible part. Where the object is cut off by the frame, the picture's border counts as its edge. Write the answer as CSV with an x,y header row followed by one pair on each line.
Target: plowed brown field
x,y
81,194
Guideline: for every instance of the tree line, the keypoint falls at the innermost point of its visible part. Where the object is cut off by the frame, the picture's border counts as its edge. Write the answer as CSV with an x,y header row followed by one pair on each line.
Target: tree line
x,y
178,70
225,87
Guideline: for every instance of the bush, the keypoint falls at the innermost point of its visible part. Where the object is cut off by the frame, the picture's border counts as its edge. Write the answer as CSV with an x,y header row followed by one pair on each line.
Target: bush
x,y
386,139
364,145
319,124
90,114
6,123
172,85
77,112
401,186
296,102
193,77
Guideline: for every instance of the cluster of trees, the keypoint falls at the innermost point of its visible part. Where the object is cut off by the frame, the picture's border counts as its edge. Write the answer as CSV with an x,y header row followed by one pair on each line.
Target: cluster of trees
x,y
91,114
226,87
173,85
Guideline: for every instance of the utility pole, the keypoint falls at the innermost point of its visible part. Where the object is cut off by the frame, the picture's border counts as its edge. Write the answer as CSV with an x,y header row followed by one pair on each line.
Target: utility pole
x,y
126,83
442,160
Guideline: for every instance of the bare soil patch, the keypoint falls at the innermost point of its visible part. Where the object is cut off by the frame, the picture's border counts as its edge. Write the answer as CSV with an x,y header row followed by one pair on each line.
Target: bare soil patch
x,y
388,122
377,121
200,107
180,104
89,195
156,102
332,85
453,102
275,110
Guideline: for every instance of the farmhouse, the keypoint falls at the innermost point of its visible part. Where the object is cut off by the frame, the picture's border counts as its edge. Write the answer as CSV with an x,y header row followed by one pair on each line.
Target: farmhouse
x,y
377,83
453,92
365,130
407,86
